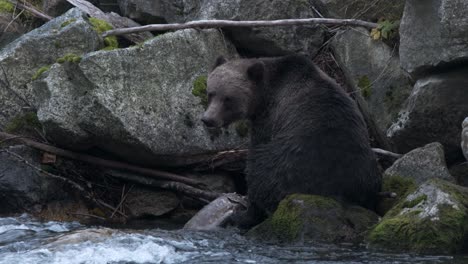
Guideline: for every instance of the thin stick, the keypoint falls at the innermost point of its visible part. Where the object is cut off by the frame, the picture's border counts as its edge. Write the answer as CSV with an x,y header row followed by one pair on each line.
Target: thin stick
x,y
232,23
387,153
31,10
103,162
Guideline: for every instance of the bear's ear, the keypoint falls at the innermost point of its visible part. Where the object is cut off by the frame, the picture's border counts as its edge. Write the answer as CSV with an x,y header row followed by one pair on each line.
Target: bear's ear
x,y
219,61
256,71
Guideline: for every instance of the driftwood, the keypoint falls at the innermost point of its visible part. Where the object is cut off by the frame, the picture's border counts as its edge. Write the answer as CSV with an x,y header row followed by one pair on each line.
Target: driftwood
x,y
25,6
101,162
207,196
112,18
232,23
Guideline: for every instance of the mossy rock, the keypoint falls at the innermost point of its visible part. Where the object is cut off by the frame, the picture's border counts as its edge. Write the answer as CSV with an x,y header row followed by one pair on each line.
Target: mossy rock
x,y
101,26
6,7
199,90
317,218
26,123
70,57
395,184
68,22
40,71
365,86
432,219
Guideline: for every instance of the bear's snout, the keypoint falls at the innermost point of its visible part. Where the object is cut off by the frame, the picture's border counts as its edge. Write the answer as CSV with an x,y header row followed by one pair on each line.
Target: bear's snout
x,y
209,122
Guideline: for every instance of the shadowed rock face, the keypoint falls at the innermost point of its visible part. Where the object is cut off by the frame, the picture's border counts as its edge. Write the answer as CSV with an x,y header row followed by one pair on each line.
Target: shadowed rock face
x,y
137,102
433,112
433,33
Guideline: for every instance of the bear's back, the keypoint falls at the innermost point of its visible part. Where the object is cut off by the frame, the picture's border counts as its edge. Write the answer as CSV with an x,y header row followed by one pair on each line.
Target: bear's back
x,y
311,139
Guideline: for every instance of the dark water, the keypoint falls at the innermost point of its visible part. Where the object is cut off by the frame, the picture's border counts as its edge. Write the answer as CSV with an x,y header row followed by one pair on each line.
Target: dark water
x,y
25,240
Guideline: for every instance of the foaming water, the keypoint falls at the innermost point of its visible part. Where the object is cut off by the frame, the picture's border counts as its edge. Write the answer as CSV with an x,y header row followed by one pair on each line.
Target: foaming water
x,y
25,240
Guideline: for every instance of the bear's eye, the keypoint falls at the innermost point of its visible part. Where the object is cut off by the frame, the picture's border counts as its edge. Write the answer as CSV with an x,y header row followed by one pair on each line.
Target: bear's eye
x,y
227,100
210,95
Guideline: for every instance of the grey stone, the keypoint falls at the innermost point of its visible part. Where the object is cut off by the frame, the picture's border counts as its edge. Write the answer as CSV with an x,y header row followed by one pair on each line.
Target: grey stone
x,y
464,142
21,186
21,59
369,62
55,7
144,202
137,103
433,112
433,33
421,165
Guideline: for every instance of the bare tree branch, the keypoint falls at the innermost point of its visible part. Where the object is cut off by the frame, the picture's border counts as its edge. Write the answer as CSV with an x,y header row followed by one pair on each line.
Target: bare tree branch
x,y
103,162
231,23
32,10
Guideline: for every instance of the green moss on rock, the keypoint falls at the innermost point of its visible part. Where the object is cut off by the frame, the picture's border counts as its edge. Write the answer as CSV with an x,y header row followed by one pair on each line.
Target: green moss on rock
x,y
20,123
68,22
6,7
199,90
101,26
396,184
287,223
364,85
408,227
69,58
40,71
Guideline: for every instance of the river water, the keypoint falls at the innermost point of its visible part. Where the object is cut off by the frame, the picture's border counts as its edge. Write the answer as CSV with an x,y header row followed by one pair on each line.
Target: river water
x,y
24,240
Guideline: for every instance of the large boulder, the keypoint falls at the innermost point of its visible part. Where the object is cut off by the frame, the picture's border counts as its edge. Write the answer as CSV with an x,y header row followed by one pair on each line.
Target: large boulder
x,y
374,69
302,217
464,136
21,59
421,164
138,103
433,33
431,219
269,41
433,112
22,186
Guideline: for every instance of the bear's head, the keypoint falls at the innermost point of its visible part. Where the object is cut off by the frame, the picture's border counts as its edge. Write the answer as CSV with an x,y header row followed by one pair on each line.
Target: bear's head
x,y
231,91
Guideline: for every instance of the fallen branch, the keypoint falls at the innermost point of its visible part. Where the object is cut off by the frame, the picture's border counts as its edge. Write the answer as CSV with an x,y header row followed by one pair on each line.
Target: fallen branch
x,y
206,196
70,182
102,162
31,10
232,23
387,153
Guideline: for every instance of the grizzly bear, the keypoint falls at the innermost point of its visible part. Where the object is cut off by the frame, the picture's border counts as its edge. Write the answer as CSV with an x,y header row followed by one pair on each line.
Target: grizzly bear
x,y
307,135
